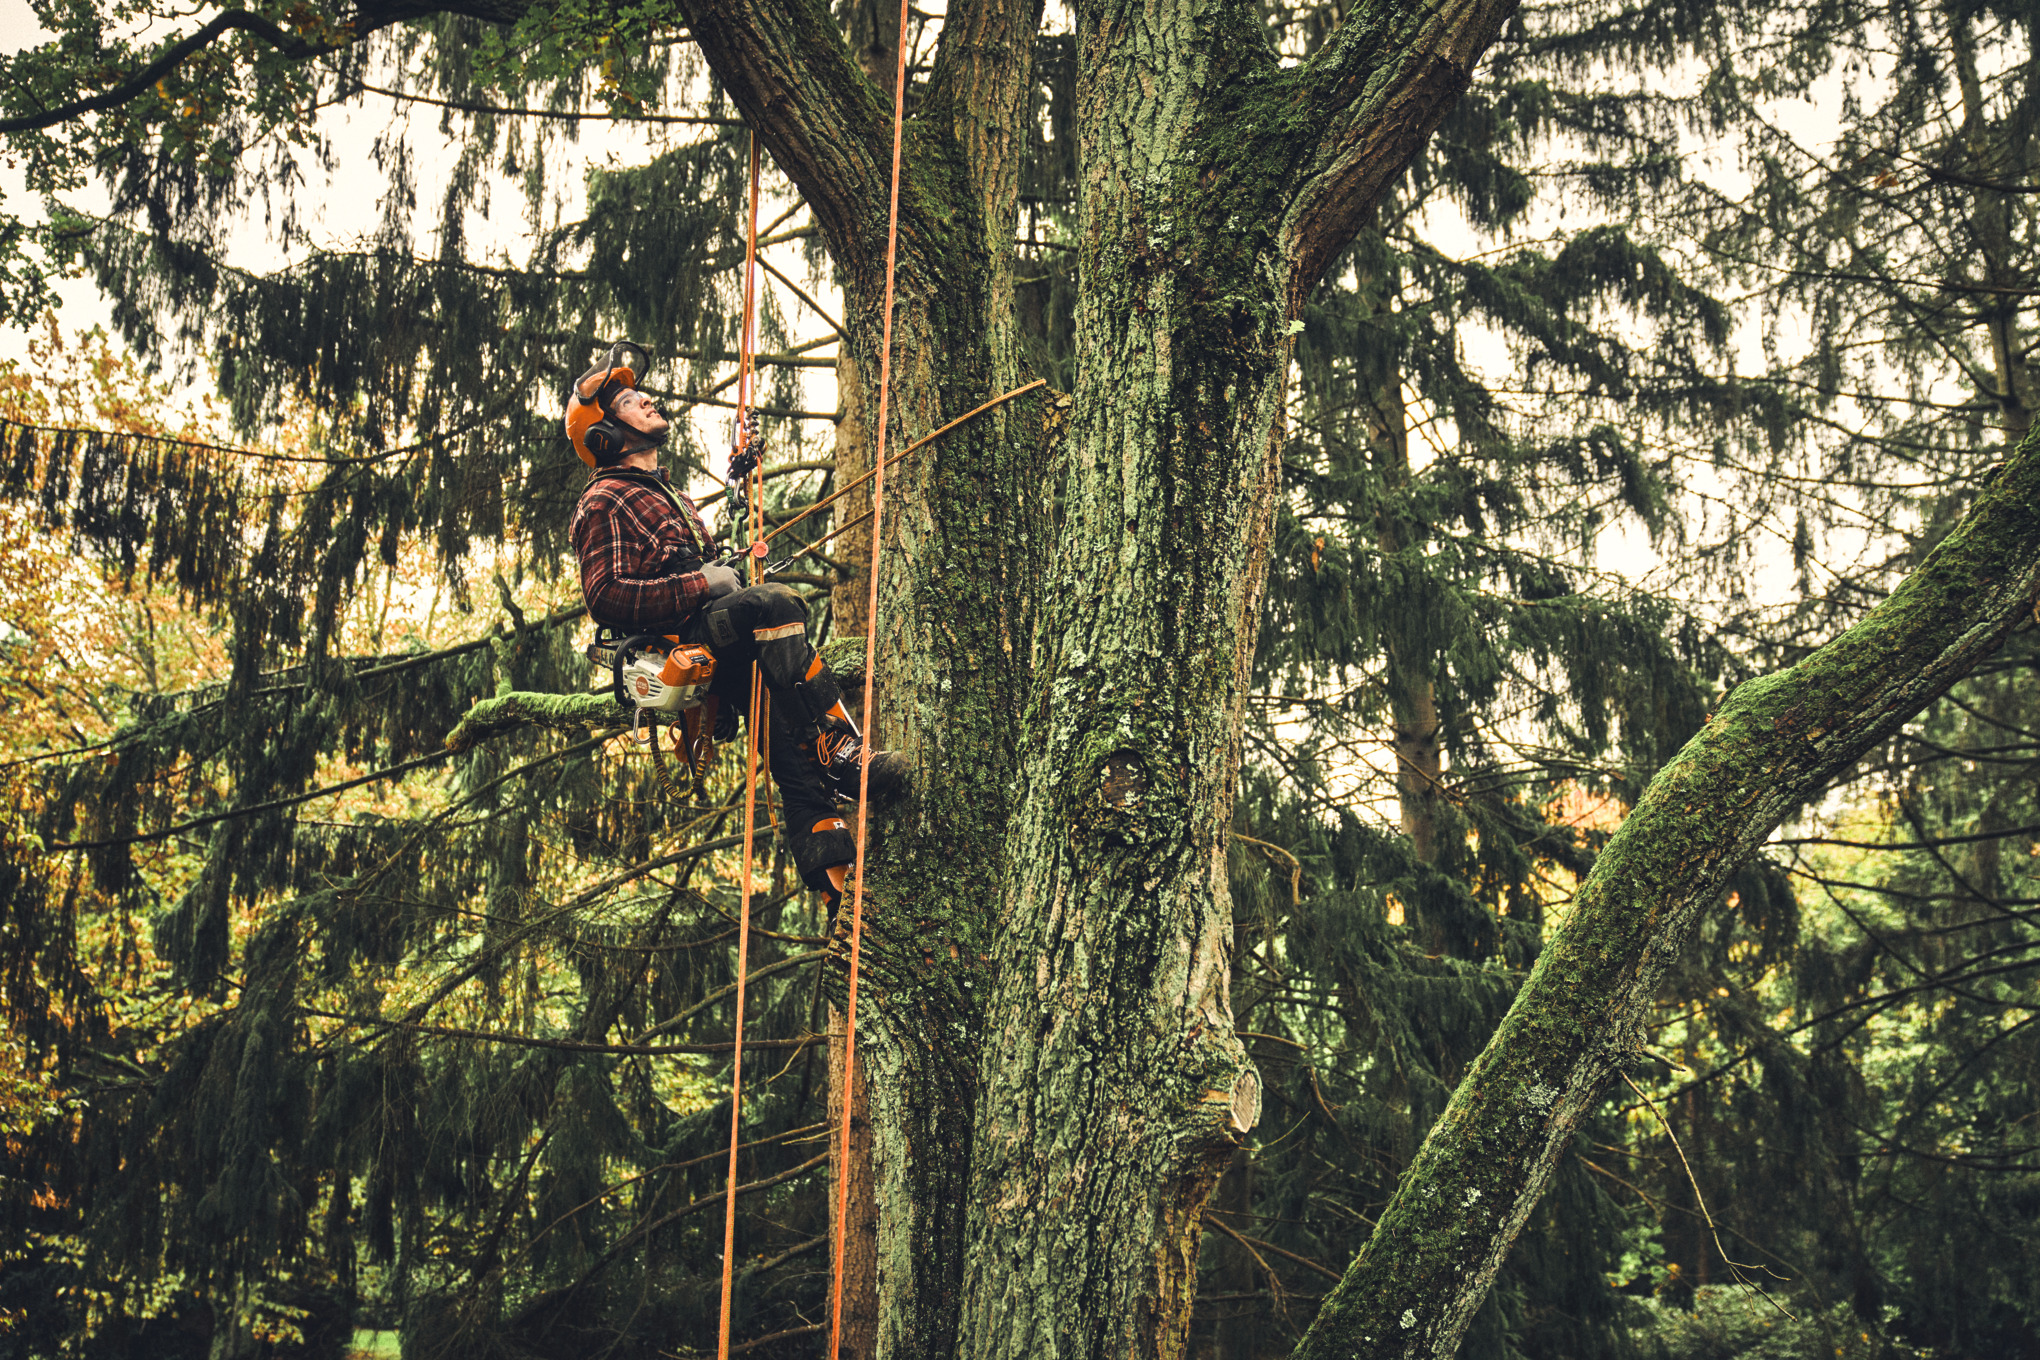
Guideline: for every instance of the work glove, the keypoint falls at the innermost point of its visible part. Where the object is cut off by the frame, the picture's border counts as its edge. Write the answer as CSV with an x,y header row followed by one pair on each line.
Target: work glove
x,y
721,580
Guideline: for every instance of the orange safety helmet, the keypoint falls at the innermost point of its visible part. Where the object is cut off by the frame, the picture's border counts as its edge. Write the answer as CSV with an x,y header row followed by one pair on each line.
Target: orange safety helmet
x,y
596,437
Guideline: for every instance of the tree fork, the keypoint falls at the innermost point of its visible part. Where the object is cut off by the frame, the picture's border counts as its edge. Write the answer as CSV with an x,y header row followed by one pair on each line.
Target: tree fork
x,y
1774,743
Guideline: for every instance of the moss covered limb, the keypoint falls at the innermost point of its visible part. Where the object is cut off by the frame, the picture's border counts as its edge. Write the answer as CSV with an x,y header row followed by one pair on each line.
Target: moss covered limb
x,y
844,657
522,708
1775,743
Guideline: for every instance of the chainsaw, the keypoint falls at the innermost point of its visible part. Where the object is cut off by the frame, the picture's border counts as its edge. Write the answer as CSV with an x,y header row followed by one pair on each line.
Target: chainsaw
x,y
661,679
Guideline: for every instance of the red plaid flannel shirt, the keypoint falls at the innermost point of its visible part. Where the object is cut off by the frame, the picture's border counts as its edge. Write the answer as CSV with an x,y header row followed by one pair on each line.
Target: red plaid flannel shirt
x,y
632,533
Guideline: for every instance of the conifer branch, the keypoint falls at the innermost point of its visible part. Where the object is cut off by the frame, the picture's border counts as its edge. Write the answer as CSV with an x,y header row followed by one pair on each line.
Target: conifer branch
x,y
669,1025
460,106
546,1302
1250,1243
486,956
1939,176
717,1155
564,1045
250,810
1925,843
552,620
381,670
786,1334
145,79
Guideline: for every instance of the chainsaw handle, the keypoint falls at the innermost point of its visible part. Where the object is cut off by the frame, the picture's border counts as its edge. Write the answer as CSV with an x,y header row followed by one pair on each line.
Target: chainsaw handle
x,y
621,658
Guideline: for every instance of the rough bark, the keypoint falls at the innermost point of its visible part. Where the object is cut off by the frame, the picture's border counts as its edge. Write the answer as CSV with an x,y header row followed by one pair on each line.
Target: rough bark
x,y
1775,743
1112,1086
860,1254
849,600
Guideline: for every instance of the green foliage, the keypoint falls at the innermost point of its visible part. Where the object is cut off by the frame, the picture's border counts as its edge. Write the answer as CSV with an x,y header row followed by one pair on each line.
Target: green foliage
x,y
1728,1323
291,1063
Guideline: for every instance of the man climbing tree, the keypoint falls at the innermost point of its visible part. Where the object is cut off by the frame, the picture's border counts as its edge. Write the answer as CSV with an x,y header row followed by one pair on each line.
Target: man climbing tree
x,y
1066,619
647,568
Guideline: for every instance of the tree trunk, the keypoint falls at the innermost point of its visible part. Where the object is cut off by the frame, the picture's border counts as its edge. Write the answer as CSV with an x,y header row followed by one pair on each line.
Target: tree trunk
x,y
850,600
859,1263
1990,229
1775,743
1412,657
1113,1085
1066,621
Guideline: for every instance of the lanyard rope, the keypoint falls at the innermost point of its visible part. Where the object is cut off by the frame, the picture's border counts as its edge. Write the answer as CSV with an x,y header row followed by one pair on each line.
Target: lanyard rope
x,y
892,236
745,344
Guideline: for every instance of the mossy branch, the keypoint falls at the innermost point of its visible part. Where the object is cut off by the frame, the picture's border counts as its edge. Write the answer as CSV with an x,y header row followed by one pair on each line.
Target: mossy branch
x,y
844,658
1775,743
525,708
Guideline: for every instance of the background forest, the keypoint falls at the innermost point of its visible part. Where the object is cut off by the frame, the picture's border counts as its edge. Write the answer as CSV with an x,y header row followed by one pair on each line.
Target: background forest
x,y
336,1023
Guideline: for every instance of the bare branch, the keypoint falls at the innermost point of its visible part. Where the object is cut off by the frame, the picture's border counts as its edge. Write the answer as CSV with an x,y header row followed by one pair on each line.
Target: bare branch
x,y
1381,85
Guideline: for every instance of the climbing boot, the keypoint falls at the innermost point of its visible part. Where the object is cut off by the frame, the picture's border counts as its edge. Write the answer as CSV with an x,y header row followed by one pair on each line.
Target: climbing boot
x,y
838,745
839,749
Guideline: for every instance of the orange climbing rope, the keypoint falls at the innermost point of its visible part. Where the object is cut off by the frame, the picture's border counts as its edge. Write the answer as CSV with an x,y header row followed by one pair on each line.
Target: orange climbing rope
x,y
972,414
758,539
745,344
892,237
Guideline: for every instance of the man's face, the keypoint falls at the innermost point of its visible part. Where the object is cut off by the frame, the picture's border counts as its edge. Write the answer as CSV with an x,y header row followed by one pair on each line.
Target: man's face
x,y
637,411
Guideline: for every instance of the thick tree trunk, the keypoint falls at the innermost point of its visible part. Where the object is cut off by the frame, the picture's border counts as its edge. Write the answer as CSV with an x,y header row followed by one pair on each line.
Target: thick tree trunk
x,y
1113,1085
1775,743
1065,621
859,1262
849,601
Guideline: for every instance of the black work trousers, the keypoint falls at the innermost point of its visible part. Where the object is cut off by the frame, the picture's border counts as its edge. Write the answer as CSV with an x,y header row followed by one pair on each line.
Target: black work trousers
x,y
766,626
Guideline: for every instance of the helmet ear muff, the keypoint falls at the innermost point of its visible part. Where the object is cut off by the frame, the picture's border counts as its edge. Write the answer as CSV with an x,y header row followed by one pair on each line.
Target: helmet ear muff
x,y
605,440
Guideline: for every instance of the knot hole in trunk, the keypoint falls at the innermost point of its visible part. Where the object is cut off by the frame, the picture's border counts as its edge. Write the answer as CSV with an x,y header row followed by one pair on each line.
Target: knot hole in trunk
x,y
1126,779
